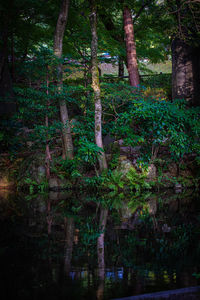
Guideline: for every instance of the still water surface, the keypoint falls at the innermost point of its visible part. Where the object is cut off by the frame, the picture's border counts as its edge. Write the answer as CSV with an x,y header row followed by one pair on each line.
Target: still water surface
x,y
48,245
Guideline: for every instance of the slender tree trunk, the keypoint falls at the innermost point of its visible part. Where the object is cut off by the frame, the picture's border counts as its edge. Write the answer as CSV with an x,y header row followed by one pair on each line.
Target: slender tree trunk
x,y
96,85
120,67
47,152
130,47
98,138
13,57
58,47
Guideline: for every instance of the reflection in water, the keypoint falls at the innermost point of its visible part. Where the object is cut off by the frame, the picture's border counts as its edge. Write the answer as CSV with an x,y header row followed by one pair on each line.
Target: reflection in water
x,y
49,217
100,252
124,261
69,239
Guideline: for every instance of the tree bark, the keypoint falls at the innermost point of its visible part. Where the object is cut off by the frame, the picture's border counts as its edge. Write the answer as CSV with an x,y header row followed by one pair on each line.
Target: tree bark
x,y
47,152
58,49
96,86
185,72
6,88
120,67
186,51
130,47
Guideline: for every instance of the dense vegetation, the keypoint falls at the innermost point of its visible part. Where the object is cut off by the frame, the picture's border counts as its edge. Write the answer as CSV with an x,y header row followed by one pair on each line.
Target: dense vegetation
x,y
41,77
82,108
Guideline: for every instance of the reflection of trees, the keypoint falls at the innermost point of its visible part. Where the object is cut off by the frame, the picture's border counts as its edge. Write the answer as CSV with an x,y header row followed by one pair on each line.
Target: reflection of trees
x,y
69,239
100,252
49,217
130,247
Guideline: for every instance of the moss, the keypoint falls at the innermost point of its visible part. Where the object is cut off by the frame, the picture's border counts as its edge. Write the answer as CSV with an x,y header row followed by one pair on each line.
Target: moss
x,y
97,128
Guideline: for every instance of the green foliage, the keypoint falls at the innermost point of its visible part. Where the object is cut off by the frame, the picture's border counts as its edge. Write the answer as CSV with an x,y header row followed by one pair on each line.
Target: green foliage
x,y
87,151
137,180
116,181
112,180
138,116
65,168
149,123
34,186
89,232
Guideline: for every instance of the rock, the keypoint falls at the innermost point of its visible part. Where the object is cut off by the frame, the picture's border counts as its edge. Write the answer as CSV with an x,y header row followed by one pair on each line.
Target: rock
x,y
125,149
41,171
122,158
57,196
126,212
152,171
56,184
108,139
29,144
178,186
166,228
152,205
32,167
172,169
134,151
125,166
186,173
120,142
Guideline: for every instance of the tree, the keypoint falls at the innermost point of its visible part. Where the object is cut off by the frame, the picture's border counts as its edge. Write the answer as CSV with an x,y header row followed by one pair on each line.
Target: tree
x,y
6,89
185,49
96,86
98,134
130,47
58,48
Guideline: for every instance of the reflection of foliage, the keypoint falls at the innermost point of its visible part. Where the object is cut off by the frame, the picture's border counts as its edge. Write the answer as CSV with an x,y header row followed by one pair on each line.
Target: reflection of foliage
x,y
135,201
32,184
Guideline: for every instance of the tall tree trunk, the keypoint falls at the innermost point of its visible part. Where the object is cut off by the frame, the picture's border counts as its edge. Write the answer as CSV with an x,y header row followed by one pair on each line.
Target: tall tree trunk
x,y
47,152
6,88
96,85
185,72
130,47
98,138
58,47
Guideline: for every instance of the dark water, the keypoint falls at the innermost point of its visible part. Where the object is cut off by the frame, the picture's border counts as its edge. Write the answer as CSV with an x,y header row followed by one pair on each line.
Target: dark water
x,y
48,245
